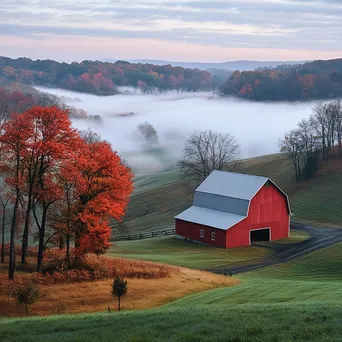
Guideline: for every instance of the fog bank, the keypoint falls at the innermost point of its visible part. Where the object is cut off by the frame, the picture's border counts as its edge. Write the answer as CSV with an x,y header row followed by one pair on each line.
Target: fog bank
x,y
257,126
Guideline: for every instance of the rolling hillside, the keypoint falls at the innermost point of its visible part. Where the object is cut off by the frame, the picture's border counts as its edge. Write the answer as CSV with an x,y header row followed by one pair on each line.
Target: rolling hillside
x,y
298,300
160,196
286,302
174,251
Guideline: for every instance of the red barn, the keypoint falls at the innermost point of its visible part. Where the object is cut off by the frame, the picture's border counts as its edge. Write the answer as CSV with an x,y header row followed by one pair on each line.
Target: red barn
x,y
234,210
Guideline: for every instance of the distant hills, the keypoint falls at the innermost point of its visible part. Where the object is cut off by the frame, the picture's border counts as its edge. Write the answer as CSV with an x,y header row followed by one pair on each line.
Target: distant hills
x,y
317,80
234,65
253,80
101,78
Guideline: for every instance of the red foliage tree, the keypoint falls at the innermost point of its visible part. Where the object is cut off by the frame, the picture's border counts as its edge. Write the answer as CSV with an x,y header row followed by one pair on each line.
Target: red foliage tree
x,y
54,142
14,141
103,184
47,163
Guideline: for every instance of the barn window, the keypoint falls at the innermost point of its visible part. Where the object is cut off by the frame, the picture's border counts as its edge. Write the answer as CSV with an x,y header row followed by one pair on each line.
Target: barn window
x,y
213,236
202,233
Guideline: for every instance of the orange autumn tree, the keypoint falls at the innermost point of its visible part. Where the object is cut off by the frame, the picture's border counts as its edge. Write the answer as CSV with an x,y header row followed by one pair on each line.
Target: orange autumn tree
x,y
103,184
15,137
35,144
54,142
50,168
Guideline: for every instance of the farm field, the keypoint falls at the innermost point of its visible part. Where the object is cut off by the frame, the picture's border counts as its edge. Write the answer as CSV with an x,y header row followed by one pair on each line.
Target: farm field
x,y
312,279
175,251
286,302
202,323
94,296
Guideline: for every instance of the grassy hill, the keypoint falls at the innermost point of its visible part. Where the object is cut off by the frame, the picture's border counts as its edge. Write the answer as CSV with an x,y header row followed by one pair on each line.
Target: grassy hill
x,y
296,301
171,250
158,197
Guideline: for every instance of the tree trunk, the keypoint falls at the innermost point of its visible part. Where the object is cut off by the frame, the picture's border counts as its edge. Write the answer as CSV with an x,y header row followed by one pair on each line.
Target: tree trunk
x,y
324,145
40,256
24,244
67,255
77,245
296,171
61,242
11,266
119,308
3,236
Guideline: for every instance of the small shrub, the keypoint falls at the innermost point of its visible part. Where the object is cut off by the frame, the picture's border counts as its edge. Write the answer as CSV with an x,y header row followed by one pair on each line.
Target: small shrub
x,y
54,266
25,293
93,267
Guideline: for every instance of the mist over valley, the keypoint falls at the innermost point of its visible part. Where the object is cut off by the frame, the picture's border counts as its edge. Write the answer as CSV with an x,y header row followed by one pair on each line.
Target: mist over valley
x,y
257,126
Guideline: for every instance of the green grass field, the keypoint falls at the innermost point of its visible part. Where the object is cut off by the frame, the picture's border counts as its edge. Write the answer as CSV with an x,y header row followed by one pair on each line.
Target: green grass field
x,y
311,279
201,323
175,251
297,301
321,201
295,237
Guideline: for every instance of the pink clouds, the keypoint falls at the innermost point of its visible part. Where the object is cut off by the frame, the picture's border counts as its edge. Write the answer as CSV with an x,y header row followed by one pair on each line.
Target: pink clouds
x,y
69,48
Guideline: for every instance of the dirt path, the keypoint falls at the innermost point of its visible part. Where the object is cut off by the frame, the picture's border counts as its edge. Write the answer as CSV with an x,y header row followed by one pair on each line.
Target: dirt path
x,y
320,237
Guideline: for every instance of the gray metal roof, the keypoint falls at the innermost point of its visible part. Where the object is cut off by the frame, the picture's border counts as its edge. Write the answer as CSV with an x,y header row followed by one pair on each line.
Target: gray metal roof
x,y
208,217
231,184
222,203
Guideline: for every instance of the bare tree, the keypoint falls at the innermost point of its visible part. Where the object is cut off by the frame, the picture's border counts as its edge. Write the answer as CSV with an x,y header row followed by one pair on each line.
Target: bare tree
x,y
207,151
316,136
291,146
148,133
308,138
338,105
320,123
331,114
89,136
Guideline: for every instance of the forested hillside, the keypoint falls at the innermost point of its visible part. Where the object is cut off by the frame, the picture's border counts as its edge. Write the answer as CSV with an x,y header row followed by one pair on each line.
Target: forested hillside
x,y
310,81
16,98
101,77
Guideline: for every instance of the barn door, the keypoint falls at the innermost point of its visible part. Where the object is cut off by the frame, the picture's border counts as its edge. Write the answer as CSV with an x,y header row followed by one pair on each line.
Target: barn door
x,y
257,235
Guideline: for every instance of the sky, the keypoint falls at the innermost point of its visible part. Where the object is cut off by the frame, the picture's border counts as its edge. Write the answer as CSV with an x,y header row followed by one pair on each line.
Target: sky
x,y
174,30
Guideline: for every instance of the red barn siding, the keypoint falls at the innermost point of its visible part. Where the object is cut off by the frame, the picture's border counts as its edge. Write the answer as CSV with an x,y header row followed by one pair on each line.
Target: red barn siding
x,y
268,209
193,230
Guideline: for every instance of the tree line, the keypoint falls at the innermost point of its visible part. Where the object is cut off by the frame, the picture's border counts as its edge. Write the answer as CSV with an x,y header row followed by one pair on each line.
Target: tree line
x,y
64,186
319,137
16,98
310,81
102,77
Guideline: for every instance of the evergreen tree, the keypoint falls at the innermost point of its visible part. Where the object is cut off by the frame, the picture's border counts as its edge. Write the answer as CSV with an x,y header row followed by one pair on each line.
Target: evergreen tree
x,y
119,288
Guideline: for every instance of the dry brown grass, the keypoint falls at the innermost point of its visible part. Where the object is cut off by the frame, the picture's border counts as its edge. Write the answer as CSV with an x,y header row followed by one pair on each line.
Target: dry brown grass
x,y
94,296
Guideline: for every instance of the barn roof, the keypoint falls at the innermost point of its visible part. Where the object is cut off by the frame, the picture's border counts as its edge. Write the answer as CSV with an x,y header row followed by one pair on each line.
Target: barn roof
x,y
232,184
208,217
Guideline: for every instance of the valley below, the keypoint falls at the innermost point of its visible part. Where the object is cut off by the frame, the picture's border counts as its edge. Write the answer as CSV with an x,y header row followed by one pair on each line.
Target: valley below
x,y
256,126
